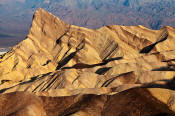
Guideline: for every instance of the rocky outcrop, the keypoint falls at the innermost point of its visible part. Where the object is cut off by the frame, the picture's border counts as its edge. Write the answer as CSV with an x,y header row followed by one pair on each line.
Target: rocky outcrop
x,y
134,102
71,70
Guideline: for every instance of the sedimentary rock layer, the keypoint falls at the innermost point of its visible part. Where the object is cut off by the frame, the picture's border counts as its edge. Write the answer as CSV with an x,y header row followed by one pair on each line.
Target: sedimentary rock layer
x,y
66,70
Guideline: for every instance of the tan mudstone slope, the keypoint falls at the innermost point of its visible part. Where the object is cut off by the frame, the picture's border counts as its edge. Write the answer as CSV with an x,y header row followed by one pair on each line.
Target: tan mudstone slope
x,y
66,70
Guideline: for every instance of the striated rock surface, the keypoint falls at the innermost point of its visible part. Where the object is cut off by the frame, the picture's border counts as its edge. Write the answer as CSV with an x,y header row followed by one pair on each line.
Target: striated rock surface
x,y
66,70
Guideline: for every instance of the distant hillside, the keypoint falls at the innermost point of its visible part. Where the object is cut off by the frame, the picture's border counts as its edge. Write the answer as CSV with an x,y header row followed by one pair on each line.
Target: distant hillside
x,y
16,15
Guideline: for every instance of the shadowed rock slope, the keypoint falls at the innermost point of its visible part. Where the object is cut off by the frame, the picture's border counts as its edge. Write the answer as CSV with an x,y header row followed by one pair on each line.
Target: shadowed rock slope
x,y
66,70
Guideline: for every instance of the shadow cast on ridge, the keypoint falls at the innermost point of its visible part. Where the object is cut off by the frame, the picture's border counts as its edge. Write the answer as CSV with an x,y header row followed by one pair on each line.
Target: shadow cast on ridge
x,y
165,68
65,60
82,65
163,36
168,84
25,82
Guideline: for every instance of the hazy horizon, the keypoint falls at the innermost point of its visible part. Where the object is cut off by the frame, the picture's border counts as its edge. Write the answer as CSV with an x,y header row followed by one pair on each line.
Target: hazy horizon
x,y
16,15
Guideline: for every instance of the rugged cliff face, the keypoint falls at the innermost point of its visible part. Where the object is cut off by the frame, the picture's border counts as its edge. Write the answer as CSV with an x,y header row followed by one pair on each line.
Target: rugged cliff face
x,y
67,70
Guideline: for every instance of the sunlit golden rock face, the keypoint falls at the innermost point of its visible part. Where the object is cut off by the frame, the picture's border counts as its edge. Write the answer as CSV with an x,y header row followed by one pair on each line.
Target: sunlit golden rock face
x,y
66,70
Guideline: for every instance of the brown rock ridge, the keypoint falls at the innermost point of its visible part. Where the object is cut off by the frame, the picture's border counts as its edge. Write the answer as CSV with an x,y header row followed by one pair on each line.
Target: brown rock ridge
x,y
66,70
134,102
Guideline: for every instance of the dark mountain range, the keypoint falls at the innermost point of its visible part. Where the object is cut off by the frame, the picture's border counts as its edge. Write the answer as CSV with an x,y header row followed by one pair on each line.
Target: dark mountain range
x,y
16,15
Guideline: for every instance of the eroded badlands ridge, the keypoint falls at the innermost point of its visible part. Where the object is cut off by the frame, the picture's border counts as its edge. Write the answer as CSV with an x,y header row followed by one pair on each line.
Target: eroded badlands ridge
x,y
65,70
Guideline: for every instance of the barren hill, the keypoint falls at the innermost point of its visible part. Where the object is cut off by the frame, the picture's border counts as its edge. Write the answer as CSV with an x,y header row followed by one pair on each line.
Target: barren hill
x,y
66,70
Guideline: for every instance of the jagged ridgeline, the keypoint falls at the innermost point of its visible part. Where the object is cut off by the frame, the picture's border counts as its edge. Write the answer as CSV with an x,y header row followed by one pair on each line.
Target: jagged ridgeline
x,y
66,70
